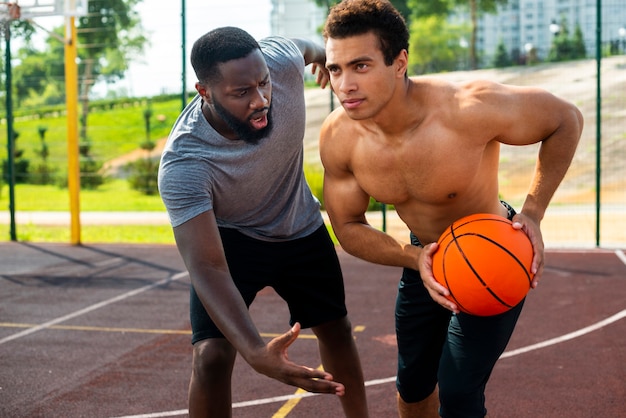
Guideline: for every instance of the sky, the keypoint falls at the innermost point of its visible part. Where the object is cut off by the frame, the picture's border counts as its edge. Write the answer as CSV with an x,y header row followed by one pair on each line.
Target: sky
x,y
159,70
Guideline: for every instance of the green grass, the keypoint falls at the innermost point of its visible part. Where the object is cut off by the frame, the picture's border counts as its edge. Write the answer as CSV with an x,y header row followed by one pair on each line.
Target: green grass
x,y
108,234
90,234
112,133
113,196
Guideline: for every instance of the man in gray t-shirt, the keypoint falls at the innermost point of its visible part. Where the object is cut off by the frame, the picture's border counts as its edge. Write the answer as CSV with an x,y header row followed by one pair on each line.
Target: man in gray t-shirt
x,y
244,218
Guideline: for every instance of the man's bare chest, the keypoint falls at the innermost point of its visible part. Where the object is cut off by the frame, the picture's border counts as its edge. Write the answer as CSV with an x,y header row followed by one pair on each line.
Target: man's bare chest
x,y
419,171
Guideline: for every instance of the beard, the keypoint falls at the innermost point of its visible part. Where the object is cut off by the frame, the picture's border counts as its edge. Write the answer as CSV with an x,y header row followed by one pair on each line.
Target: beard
x,y
242,129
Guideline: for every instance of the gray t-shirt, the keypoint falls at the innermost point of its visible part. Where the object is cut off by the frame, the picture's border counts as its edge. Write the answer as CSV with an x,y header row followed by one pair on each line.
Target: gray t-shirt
x,y
258,189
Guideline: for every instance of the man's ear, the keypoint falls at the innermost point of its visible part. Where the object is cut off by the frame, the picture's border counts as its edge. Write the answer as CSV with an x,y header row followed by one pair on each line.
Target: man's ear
x,y
402,62
203,92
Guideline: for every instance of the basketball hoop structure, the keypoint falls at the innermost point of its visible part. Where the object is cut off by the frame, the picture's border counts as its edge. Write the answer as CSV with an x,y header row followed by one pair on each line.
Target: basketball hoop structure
x,y
27,10
30,9
40,8
8,13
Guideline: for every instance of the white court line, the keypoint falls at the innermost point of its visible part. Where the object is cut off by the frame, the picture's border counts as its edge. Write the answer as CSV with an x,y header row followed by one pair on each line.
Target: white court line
x,y
621,256
506,354
91,308
566,337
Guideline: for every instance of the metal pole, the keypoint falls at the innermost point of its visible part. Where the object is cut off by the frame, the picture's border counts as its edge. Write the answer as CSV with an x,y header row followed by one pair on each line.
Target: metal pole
x,y
71,98
184,47
598,116
384,212
10,133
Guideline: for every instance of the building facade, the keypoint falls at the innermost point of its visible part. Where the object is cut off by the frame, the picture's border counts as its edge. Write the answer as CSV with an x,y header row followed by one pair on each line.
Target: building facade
x,y
521,25
297,19
525,25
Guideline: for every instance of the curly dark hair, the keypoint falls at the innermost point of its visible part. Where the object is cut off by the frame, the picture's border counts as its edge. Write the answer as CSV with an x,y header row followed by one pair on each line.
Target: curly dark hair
x,y
357,17
218,46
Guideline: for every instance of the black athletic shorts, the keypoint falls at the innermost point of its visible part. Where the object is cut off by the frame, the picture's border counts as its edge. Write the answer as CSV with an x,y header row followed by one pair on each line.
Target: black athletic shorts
x,y
305,272
458,352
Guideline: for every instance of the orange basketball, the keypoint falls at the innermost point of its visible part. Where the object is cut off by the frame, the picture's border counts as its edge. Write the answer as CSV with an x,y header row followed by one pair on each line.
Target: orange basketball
x,y
485,264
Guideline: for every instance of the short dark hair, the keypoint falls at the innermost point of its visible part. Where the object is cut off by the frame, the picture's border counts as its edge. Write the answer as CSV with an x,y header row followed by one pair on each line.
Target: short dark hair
x,y
357,17
218,46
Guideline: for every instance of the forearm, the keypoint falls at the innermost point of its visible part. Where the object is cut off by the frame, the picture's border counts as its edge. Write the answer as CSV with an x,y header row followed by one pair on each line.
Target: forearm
x,y
312,52
555,156
224,304
363,241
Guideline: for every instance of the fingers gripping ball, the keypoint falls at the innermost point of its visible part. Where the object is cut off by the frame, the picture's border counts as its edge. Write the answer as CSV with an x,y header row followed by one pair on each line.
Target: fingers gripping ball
x,y
484,263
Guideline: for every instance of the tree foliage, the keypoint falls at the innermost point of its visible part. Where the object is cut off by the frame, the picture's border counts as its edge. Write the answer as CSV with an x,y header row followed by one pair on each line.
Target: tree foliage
x,y
435,45
39,79
109,38
502,58
565,47
446,8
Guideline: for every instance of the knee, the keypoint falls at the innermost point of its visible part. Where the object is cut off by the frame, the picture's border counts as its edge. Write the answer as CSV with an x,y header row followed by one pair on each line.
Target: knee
x,y
213,358
337,331
458,400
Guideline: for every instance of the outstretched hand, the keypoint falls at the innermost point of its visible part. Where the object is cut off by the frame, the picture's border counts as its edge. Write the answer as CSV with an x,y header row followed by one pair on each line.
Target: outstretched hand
x,y
275,363
438,292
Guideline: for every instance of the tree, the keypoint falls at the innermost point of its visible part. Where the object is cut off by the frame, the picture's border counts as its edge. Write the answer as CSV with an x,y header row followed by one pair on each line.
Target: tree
x,y
18,28
579,51
564,47
39,79
502,58
447,7
560,48
435,45
108,37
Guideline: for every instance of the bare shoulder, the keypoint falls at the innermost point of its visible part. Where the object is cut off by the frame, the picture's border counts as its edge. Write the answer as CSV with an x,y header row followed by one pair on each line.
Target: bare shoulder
x,y
336,135
335,127
457,103
482,91
497,94
456,95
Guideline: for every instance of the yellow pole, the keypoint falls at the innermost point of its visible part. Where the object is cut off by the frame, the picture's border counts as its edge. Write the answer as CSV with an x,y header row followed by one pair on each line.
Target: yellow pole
x,y
71,97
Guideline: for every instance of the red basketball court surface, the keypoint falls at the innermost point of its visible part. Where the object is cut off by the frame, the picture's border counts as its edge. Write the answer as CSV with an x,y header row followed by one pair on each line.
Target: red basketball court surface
x,y
103,331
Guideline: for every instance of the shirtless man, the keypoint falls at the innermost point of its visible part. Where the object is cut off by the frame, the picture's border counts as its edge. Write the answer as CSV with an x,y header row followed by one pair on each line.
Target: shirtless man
x,y
431,149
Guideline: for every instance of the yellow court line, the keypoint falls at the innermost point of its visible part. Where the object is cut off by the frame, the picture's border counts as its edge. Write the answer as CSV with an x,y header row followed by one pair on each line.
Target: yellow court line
x,y
128,330
291,403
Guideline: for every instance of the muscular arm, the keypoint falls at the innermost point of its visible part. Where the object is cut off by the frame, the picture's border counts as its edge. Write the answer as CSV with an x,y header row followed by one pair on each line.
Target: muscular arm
x,y
536,116
346,203
531,116
555,156
200,246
